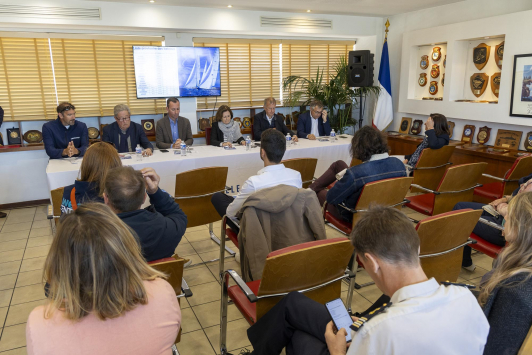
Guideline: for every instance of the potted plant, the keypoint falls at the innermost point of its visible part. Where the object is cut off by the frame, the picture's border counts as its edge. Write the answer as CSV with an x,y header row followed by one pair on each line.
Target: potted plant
x,y
335,94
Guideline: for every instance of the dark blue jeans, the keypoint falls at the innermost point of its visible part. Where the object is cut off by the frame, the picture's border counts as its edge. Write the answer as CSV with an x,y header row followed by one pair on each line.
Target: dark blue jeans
x,y
484,231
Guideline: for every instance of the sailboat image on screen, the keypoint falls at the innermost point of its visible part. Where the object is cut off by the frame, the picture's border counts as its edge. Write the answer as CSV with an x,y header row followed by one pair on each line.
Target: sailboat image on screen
x,y
203,73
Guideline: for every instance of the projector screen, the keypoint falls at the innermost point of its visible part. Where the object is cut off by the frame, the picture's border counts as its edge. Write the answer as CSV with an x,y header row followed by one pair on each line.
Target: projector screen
x,y
162,72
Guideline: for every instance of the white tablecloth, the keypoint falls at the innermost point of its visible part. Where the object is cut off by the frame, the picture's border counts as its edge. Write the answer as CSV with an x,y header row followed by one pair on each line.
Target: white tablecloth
x,y
242,163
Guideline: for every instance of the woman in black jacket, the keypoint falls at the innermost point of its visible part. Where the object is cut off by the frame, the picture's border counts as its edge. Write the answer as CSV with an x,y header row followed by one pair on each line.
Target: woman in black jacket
x,y
436,136
505,291
226,127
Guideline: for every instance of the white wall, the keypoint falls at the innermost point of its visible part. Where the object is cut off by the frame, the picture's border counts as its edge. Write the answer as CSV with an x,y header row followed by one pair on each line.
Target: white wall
x,y
449,16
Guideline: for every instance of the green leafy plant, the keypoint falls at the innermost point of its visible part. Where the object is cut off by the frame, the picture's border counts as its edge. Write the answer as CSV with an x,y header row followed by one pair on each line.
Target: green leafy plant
x,y
335,94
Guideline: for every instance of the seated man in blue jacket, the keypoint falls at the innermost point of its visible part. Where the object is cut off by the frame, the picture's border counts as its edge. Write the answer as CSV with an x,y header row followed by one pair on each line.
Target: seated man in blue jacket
x,y
268,119
160,226
124,134
313,123
65,137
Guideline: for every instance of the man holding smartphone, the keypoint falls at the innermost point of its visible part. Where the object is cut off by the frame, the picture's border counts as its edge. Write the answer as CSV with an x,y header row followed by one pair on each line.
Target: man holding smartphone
x,y
423,317
313,123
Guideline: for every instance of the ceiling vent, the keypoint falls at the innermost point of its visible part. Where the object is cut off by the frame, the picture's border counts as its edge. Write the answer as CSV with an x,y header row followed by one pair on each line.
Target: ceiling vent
x,y
50,12
295,22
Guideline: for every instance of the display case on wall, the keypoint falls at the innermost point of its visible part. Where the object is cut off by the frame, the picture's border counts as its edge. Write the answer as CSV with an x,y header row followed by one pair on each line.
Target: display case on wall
x,y
429,61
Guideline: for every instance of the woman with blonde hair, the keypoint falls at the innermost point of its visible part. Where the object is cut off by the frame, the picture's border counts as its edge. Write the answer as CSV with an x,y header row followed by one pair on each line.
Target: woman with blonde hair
x,y
506,291
98,160
103,297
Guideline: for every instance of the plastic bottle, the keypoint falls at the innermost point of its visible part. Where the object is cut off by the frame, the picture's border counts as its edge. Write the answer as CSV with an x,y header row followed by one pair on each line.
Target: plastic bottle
x,y
333,136
288,140
138,152
248,143
183,149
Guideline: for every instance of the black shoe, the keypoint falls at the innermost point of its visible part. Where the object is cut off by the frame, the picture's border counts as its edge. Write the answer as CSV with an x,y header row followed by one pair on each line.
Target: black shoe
x,y
245,352
3,215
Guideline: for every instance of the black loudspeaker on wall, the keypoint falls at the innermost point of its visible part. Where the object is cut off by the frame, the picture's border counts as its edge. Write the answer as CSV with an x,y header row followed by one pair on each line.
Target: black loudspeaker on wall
x,y
360,69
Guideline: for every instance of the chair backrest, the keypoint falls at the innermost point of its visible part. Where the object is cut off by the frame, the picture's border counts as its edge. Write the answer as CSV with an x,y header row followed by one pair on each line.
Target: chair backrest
x,y
526,348
208,135
57,198
462,178
305,166
442,234
386,192
304,266
520,168
431,166
354,162
193,192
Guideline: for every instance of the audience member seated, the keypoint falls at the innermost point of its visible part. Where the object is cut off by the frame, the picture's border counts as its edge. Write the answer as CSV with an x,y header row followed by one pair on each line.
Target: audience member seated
x,y
103,298
173,129
273,146
161,225
484,231
65,137
369,146
505,290
268,119
436,136
313,123
99,159
423,317
225,131
124,134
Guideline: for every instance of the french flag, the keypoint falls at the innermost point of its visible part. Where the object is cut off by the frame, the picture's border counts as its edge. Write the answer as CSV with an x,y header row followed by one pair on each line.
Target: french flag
x,y
383,115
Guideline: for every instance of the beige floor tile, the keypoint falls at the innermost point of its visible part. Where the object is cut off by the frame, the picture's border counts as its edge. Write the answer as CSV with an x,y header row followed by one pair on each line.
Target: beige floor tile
x,y
196,260
13,245
236,335
183,303
211,255
23,211
36,252
195,343
16,227
358,302
7,281
184,248
189,321
40,217
371,293
17,351
13,337
19,219
32,264
39,241
468,275
209,313
198,228
205,293
475,282
41,224
5,297
9,236
198,275
3,314
41,208
197,236
29,278
12,255
229,263
40,232
205,246
19,313
11,267
483,261
28,294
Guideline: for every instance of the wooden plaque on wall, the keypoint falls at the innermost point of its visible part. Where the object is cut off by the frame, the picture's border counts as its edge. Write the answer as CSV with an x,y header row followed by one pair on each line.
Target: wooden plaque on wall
x,y
495,83
406,122
451,128
499,53
149,127
483,134
481,55
479,82
528,141
416,127
508,139
468,134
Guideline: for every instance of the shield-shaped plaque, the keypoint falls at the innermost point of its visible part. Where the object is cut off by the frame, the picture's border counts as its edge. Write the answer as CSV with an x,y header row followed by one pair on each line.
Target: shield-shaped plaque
x,y
247,122
451,128
204,123
422,81
93,132
445,61
435,71
483,134
479,82
149,126
416,127
528,142
499,52
433,88
481,54
436,54
443,79
495,83
424,63
467,135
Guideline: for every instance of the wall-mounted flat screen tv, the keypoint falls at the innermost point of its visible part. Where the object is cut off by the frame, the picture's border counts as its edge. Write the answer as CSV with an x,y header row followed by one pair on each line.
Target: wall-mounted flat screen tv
x,y
162,72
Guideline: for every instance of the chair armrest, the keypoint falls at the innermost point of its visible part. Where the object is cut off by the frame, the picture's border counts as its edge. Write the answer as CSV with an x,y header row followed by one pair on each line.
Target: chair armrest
x,y
453,192
355,211
424,189
469,241
493,177
491,224
50,214
197,196
187,292
243,286
431,167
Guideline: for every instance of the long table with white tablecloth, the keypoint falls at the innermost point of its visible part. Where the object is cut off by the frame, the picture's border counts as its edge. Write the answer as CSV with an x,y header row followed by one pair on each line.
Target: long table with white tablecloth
x,y
242,163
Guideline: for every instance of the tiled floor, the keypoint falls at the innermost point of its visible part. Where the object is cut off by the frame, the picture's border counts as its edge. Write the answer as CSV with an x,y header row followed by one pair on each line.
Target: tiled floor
x,y
25,236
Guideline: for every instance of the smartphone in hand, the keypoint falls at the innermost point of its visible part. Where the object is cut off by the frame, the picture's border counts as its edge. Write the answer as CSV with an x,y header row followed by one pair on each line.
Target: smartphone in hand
x,y
340,316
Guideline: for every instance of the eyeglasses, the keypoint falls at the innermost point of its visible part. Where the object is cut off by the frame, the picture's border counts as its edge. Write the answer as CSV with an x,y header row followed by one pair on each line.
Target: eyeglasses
x,y
123,119
67,108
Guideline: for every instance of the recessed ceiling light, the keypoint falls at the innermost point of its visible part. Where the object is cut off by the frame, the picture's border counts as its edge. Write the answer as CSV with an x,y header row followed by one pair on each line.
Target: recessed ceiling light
x,y
486,38
229,5
152,0
308,10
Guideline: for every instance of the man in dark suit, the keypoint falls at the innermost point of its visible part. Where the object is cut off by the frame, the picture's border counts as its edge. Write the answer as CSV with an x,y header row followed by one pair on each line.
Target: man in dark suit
x,y
268,119
173,129
313,123
124,134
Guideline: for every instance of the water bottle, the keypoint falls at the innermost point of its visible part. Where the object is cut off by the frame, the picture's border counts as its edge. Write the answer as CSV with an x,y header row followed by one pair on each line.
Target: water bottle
x,y
138,152
333,136
183,149
225,141
288,139
248,143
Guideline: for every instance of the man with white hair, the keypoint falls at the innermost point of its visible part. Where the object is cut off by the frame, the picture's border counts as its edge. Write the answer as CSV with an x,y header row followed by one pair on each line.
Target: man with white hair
x,y
268,119
124,134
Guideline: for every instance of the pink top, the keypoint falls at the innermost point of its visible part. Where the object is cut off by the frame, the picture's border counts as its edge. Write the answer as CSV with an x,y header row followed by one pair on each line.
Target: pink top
x,y
149,329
